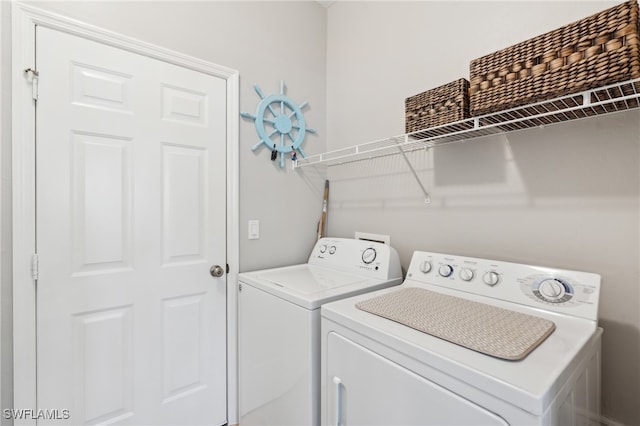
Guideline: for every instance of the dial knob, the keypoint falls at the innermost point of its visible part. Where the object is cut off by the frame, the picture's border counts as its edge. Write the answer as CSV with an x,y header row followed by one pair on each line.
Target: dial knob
x,y
425,267
369,255
332,249
323,248
491,278
466,274
445,270
551,289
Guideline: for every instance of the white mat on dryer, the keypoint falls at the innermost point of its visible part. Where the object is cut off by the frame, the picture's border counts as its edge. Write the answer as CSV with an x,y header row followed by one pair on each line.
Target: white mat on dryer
x,y
494,331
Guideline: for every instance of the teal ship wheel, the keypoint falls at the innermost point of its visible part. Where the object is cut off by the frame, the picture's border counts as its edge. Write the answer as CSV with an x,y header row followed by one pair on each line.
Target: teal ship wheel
x,y
279,123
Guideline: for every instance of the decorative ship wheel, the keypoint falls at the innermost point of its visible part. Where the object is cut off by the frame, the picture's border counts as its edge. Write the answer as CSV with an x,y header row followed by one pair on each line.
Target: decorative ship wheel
x,y
280,124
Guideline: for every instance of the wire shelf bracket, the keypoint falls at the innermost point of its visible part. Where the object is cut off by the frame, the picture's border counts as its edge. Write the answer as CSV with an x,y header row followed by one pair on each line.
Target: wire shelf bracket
x,y
427,197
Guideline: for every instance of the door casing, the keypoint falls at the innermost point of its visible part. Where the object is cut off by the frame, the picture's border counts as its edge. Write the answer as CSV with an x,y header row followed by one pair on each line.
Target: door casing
x,y
24,20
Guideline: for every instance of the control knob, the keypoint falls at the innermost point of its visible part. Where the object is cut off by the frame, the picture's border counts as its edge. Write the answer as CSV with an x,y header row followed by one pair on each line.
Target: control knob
x,y
491,278
445,270
552,289
369,255
323,248
332,249
466,274
425,267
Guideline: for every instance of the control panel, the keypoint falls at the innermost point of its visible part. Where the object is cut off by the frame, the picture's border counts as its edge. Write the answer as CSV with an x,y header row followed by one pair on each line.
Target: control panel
x,y
568,292
361,257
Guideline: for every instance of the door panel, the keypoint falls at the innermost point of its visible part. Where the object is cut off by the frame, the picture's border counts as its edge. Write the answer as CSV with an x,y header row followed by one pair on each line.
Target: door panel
x,y
131,154
184,204
185,355
104,372
102,206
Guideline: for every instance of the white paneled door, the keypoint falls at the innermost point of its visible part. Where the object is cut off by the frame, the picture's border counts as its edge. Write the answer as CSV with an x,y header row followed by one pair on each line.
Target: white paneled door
x,y
130,164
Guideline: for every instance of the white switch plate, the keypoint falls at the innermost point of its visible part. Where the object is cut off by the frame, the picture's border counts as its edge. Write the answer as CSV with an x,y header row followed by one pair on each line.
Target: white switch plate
x,y
254,230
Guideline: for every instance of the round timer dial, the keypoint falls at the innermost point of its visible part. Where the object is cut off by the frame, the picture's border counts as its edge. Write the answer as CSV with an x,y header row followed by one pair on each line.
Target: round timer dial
x,y
552,290
557,290
369,255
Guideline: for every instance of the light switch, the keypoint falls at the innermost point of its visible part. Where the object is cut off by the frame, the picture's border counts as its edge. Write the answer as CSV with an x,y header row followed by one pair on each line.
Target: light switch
x,y
254,229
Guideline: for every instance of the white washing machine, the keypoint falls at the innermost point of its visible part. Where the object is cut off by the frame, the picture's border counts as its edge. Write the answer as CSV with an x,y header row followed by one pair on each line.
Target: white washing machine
x,y
279,326
382,363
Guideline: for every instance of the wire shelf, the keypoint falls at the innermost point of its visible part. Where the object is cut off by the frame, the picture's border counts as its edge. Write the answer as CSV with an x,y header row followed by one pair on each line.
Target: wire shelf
x,y
603,100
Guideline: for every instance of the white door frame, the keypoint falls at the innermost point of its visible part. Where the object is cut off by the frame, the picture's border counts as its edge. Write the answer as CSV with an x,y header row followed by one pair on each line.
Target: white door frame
x,y
24,20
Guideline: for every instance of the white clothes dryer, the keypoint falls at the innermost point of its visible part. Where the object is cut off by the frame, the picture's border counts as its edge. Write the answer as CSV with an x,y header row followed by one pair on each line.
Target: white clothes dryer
x,y
279,326
441,356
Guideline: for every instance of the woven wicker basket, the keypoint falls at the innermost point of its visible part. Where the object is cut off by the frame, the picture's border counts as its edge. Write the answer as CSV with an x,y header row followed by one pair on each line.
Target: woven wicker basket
x,y
601,49
442,105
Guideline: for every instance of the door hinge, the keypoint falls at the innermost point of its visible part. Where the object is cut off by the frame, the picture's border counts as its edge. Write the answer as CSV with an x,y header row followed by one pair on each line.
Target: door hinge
x,y
34,75
35,266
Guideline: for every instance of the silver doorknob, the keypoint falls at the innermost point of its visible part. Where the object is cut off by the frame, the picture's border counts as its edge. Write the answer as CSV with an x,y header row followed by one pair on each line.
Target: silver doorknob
x,y
216,271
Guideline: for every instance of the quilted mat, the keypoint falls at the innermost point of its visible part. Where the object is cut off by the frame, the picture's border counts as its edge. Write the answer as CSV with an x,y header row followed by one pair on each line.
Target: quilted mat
x,y
494,331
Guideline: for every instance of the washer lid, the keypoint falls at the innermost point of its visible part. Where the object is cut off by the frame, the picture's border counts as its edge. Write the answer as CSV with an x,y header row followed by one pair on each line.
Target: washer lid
x,y
307,279
309,285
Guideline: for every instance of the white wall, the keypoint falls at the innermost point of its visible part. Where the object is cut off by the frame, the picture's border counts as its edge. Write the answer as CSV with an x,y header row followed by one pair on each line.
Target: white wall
x,y
266,42
565,196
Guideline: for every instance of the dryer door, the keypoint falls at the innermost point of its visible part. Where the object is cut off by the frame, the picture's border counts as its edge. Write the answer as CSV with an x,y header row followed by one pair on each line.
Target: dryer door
x,y
364,388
